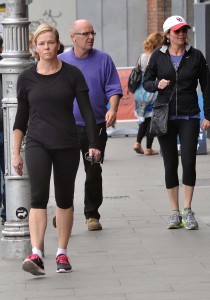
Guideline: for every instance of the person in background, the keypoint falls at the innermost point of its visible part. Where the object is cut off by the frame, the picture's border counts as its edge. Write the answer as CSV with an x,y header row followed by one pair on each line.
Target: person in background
x,y
144,100
104,86
178,67
32,48
2,164
45,94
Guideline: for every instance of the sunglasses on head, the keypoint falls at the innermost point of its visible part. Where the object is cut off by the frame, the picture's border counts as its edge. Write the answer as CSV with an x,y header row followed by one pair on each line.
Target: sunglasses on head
x,y
182,29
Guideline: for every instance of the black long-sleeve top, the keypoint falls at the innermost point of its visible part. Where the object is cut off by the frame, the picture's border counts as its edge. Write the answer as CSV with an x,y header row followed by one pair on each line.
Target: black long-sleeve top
x,y
45,107
192,69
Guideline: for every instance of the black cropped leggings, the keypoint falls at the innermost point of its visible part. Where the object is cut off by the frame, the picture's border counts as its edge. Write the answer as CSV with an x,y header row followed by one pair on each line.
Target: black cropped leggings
x,y
39,162
188,132
144,131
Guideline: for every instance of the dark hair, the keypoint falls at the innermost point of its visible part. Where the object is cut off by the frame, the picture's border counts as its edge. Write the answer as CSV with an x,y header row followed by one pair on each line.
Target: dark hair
x,y
61,48
166,41
1,41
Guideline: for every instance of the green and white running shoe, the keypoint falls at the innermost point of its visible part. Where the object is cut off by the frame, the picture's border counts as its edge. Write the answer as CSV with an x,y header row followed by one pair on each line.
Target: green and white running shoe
x,y
188,219
175,220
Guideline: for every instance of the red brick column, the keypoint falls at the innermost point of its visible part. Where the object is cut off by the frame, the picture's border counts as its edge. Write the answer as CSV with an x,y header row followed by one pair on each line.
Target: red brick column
x,y
158,11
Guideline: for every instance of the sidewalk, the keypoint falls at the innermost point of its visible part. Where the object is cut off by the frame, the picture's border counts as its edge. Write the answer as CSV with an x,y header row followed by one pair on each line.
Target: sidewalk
x,y
134,257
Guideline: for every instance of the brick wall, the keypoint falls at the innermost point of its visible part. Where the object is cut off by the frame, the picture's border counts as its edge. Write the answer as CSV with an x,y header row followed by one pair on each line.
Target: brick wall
x,y
158,11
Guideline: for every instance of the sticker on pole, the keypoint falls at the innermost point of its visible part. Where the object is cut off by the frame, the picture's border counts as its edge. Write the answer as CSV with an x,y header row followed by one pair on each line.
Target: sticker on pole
x,y
21,213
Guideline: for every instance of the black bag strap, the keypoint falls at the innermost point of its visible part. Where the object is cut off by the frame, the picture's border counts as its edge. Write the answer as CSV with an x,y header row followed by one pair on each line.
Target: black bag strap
x,y
138,63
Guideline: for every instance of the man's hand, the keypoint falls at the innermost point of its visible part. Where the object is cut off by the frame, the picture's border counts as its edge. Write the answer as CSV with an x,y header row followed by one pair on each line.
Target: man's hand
x,y
110,117
111,114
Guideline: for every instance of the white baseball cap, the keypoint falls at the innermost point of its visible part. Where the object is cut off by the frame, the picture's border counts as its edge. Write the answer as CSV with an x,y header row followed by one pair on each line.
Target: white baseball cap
x,y
174,23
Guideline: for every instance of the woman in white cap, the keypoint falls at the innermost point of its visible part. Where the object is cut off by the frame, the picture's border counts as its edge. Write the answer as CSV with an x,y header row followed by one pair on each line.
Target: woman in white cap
x,y
176,68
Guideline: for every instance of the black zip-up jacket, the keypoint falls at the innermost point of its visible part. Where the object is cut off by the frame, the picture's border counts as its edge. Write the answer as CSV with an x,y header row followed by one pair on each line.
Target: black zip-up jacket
x,y
192,69
1,96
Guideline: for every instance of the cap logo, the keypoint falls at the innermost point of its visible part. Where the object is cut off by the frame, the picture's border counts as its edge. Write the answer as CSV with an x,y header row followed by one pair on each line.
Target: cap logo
x,y
179,19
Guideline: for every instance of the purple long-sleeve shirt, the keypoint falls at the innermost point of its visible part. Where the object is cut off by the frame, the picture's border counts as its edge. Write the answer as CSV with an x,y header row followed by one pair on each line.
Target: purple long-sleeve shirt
x,y
102,79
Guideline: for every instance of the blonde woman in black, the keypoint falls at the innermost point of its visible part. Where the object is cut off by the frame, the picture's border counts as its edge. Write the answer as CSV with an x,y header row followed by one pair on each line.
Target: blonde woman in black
x,y
45,94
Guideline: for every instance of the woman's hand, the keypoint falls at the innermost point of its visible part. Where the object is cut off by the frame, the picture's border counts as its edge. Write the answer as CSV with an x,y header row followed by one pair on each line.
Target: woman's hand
x,y
95,154
17,159
18,164
205,124
163,83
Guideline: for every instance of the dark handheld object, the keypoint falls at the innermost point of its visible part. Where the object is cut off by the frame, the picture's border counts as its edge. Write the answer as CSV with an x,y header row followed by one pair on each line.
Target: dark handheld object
x,y
92,159
134,79
159,120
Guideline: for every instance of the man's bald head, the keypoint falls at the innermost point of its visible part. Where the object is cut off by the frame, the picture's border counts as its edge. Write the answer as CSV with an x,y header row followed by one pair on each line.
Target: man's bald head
x,y
78,25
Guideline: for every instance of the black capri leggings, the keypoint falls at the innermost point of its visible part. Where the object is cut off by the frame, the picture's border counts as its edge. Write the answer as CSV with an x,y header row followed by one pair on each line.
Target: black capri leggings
x,y
144,130
65,164
188,132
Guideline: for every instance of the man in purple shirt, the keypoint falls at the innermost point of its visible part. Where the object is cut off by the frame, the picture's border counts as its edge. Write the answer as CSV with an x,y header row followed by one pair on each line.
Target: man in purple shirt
x,y
104,87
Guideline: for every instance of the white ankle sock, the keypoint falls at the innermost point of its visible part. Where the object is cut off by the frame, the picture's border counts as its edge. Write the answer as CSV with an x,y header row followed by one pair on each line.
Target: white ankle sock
x,y
61,251
37,251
